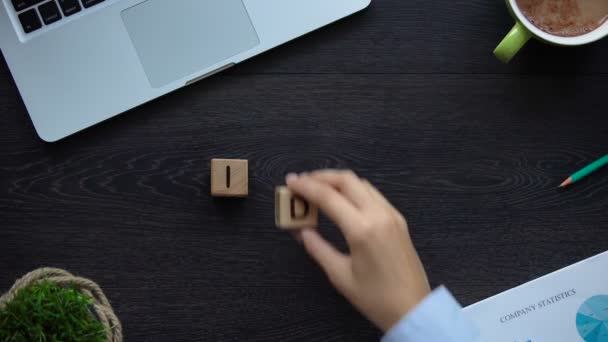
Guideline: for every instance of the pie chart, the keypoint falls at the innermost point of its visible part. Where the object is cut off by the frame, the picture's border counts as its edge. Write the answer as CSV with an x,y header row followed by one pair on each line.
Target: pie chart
x,y
592,319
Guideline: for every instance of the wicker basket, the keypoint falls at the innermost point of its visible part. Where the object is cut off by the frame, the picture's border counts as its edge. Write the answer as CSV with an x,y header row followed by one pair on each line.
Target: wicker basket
x,y
101,308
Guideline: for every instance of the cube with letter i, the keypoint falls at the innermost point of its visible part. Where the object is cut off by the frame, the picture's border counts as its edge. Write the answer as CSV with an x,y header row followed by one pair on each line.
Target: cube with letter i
x,y
229,178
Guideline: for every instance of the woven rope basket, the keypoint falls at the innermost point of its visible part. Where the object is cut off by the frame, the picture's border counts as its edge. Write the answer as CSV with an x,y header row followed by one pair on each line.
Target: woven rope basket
x,y
102,310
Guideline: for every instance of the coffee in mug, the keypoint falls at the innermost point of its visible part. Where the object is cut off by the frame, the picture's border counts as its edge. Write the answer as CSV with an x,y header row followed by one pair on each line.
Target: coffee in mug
x,y
558,22
565,18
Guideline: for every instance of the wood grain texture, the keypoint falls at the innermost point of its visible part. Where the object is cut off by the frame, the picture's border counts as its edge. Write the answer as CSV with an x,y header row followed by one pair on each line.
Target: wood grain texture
x,y
424,37
405,93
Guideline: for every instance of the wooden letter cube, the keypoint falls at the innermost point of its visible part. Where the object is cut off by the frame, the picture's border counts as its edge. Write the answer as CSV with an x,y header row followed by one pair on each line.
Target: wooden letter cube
x,y
229,178
293,212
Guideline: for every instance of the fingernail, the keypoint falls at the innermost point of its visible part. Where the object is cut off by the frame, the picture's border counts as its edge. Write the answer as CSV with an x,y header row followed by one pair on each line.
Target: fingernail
x,y
290,178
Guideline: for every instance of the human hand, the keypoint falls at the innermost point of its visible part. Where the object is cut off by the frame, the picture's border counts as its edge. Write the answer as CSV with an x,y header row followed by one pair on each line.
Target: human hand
x,y
383,276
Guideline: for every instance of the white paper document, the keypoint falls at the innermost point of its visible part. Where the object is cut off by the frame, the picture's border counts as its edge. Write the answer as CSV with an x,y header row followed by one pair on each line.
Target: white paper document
x,y
570,305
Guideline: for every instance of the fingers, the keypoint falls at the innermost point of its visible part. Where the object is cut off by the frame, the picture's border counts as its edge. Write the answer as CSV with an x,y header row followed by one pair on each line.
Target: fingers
x,y
375,194
359,191
328,199
380,199
347,183
335,264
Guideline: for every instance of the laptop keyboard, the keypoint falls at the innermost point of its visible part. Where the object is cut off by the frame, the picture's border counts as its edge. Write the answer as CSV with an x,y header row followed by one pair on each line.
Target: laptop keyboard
x,y
33,14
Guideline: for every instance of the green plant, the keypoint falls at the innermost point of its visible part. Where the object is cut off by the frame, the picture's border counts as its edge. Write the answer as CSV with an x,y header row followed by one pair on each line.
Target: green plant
x,y
48,312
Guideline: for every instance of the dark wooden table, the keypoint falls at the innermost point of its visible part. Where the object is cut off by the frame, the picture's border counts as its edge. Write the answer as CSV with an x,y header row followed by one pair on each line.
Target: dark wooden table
x,y
407,93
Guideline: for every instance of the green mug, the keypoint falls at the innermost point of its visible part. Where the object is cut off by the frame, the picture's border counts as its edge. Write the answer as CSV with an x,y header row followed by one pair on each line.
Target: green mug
x,y
524,30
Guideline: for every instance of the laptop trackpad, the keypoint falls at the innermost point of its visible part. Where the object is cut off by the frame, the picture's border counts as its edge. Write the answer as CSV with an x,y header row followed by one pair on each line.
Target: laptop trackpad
x,y
175,39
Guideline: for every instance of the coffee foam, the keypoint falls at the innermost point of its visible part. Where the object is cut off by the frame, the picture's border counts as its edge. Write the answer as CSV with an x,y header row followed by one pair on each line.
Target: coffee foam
x,y
566,18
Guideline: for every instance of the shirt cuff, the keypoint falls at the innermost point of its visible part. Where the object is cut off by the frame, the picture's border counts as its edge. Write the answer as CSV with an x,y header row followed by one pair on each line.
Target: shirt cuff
x,y
438,317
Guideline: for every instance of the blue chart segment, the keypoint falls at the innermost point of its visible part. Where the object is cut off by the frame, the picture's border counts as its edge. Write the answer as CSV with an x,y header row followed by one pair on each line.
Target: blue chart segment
x,y
592,319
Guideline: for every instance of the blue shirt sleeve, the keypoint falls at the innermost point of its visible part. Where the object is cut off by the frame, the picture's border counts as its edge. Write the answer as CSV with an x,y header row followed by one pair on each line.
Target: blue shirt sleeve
x,y
438,318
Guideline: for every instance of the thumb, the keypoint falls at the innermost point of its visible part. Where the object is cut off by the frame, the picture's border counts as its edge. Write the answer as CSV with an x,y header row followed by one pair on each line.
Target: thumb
x,y
335,264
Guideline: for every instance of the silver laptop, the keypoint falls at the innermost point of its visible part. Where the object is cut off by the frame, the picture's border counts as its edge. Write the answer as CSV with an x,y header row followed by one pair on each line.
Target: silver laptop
x,y
79,62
